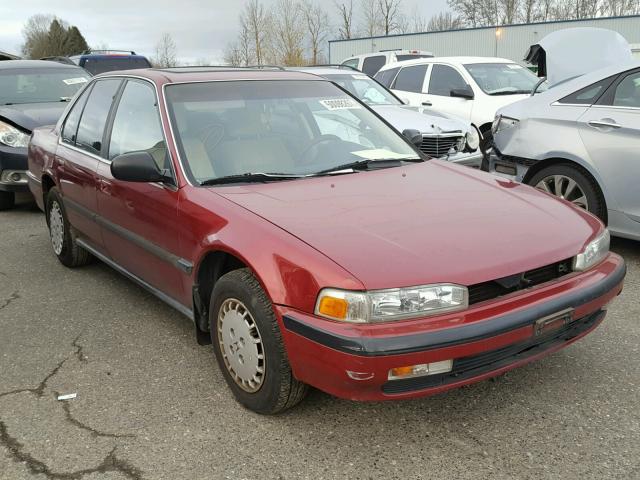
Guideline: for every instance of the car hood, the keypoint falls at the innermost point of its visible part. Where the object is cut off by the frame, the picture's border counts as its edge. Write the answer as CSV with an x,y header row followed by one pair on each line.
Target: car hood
x,y
421,223
573,52
32,115
404,117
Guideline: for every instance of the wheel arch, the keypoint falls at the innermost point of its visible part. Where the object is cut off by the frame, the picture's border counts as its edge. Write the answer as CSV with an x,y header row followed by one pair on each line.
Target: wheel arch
x,y
583,167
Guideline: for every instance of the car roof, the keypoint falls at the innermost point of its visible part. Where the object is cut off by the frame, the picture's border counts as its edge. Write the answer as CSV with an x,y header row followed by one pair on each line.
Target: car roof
x,y
322,70
451,60
10,64
210,74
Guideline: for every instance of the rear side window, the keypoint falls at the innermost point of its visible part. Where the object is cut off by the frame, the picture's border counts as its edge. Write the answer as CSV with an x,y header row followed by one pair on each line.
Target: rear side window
x,y
627,92
411,79
588,95
70,128
444,79
371,65
94,116
352,62
386,77
136,125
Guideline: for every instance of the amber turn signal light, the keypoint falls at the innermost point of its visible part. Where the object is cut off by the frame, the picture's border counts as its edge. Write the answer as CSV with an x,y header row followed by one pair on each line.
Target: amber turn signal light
x,y
333,307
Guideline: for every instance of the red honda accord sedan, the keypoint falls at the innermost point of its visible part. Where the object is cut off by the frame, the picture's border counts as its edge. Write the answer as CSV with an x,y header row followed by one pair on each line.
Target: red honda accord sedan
x,y
310,242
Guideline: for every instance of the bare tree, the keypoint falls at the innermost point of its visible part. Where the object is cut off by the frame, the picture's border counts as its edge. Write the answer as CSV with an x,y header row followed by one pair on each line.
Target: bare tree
x,y
317,23
419,22
257,22
165,52
390,15
345,28
618,8
370,18
288,30
240,52
443,21
35,33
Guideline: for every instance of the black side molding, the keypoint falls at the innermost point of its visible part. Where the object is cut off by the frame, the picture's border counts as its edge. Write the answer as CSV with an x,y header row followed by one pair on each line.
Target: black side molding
x,y
376,346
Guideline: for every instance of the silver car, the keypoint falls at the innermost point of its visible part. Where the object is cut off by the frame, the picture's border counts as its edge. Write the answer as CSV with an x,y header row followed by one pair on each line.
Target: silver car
x,y
580,139
443,136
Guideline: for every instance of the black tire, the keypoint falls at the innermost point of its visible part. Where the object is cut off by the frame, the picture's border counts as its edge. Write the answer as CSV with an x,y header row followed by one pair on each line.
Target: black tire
x,y
595,200
7,200
71,254
279,389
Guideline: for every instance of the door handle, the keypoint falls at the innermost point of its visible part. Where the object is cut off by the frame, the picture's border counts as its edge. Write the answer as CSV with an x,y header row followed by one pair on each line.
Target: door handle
x,y
427,103
604,124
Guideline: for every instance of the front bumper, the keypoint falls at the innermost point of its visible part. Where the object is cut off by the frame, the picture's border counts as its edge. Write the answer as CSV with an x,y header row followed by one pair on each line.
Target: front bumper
x,y
352,361
512,168
13,160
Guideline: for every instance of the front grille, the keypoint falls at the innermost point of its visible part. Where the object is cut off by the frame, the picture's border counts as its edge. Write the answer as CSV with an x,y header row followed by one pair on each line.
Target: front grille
x,y
437,147
468,367
481,292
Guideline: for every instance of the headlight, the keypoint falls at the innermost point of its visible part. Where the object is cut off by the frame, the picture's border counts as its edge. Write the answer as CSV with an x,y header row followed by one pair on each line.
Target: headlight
x,y
503,123
392,304
593,253
12,137
473,140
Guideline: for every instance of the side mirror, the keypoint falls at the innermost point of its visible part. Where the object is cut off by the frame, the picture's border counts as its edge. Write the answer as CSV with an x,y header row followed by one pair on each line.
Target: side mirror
x,y
136,167
466,93
414,136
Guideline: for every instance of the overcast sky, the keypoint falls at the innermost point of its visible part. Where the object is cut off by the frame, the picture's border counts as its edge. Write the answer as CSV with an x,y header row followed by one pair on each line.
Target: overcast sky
x,y
200,28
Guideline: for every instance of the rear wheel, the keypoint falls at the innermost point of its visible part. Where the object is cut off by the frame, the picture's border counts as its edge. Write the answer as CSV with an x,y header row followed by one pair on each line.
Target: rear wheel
x,y
572,184
248,345
63,239
7,200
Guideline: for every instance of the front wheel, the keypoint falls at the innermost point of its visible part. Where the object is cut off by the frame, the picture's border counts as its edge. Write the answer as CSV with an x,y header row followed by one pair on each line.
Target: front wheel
x,y
248,345
63,239
572,184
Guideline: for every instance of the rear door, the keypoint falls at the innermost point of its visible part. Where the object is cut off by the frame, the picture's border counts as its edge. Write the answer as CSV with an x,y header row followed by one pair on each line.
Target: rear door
x,y
610,130
409,84
139,220
78,155
443,79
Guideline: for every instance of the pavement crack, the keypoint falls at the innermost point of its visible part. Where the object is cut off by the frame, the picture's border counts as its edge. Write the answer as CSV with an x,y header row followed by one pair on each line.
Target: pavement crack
x,y
96,433
7,301
111,462
79,353
39,390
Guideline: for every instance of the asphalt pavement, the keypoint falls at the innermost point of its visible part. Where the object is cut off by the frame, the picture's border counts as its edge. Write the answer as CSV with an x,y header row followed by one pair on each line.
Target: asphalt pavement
x,y
152,404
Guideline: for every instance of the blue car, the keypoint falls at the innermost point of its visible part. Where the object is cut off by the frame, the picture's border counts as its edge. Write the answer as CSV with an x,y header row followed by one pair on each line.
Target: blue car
x,y
100,61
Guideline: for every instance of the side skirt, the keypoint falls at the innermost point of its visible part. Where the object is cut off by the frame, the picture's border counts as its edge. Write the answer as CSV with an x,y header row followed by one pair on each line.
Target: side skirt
x,y
151,289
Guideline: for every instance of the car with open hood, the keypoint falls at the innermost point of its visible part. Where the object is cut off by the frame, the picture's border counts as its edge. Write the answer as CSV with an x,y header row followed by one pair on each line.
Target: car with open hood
x,y
443,136
33,93
353,264
579,140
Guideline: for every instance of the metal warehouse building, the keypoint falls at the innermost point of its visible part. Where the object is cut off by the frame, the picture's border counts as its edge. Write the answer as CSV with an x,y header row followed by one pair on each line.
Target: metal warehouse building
x,y
507,41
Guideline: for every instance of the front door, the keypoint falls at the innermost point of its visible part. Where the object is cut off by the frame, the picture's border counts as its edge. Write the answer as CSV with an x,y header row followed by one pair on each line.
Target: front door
x,y
610,131
78,156
140,220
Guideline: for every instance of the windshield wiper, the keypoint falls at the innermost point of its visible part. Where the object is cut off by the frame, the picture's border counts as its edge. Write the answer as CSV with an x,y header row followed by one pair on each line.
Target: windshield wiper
x,y
250,178
365,164
511,92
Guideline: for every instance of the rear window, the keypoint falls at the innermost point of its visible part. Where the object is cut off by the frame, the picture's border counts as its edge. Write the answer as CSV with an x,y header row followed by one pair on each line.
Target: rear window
x,y
371,65
411,79
402,58
98,65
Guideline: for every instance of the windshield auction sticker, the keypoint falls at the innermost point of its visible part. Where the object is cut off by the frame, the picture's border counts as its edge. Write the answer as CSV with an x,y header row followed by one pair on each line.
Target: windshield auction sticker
x,y
73,81
340,104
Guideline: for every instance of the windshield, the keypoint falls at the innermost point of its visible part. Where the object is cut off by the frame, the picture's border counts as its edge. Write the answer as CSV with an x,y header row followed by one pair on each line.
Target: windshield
x,y
502,78
40,85
367,90
284,127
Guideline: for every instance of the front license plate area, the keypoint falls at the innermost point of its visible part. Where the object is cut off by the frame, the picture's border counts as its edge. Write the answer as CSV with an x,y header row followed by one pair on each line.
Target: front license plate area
x,y
553,322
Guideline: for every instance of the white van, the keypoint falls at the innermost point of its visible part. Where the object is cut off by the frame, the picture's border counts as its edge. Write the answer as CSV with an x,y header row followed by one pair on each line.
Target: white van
x,y
472,88
370,63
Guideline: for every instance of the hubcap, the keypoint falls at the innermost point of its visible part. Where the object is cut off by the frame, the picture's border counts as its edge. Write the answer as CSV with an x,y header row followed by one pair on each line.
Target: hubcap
x,y
241,345
56,228
564,187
